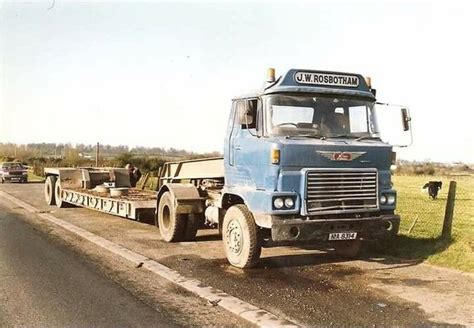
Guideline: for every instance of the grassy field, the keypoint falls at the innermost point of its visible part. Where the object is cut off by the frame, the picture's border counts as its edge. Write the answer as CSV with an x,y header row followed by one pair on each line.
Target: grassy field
x,y
423,242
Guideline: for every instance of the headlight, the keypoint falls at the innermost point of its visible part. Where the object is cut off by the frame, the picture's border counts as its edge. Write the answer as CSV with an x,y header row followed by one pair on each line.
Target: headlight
x,y
6,173
24,173
278,203
289,202
383,199
391,199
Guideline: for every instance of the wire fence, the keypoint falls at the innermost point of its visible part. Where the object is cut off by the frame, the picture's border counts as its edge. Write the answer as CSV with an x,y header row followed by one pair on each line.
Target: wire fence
x,y
422,216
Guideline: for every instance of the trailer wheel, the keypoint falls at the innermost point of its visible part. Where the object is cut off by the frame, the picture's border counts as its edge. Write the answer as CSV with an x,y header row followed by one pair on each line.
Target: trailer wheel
x,y
239,233
193,222
348,249
58,195
49,190
171,225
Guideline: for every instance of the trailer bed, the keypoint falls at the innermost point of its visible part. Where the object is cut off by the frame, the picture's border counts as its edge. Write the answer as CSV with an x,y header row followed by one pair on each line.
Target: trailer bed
x,y
76,186
138,205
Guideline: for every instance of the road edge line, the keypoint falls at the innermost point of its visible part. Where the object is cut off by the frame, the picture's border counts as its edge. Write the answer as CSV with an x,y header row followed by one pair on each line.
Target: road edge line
x,y
247,311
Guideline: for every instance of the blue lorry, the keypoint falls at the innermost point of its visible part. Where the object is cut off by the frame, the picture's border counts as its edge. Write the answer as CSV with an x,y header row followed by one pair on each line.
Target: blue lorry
x,y
304,163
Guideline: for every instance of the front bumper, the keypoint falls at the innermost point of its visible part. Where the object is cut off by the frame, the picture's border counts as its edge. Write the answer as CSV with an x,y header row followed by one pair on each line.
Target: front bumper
x,y
302,230
15,177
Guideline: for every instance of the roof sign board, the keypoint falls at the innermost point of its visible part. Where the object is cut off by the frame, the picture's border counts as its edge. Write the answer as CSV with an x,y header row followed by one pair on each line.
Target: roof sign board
x,y
318,82
314,78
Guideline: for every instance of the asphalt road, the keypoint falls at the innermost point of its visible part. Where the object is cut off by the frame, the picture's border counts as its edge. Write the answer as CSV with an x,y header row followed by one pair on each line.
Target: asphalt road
x,y
42,284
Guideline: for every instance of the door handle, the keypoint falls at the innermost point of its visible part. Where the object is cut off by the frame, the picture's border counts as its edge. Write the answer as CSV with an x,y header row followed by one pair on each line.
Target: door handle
x,y
238,148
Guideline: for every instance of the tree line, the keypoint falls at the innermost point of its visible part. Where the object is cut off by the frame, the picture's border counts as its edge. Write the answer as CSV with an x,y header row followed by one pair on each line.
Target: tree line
x,y
41,155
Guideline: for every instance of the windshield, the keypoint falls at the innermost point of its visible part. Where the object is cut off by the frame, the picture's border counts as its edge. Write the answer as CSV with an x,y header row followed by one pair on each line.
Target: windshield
x,y
12,166
319,116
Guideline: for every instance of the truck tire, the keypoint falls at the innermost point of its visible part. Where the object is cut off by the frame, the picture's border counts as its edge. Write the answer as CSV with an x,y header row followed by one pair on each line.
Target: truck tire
x,y
49,190
348,249
239,234
193,222
171,225
58,195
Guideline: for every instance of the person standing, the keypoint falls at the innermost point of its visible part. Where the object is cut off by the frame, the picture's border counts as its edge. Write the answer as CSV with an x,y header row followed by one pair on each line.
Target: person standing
x,y
134,174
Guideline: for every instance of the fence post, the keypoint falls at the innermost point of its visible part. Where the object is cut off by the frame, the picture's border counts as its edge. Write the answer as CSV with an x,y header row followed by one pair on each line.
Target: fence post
x,y
448,214
144,181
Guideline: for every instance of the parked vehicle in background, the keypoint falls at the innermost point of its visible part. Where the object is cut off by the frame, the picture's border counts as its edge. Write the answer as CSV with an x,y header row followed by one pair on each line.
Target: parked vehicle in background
x,y
13,171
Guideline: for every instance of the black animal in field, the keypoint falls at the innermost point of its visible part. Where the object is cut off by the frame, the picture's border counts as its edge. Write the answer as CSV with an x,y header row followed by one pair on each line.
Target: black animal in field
x,y
433,188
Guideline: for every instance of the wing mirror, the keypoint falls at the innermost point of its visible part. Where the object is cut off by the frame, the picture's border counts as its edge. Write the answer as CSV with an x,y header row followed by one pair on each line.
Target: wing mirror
x,y
405,119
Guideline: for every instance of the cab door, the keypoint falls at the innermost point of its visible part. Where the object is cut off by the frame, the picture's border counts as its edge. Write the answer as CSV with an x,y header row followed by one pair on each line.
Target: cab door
x,y
246,147
233,129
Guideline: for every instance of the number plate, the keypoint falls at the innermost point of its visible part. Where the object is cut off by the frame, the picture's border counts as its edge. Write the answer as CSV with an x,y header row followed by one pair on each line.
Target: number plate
x,y
343,236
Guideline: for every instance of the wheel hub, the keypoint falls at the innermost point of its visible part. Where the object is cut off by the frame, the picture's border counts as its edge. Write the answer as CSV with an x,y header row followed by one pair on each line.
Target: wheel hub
x,y
234,237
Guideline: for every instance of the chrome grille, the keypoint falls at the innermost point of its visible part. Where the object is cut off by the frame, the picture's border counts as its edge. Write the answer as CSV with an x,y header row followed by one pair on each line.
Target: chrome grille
x,y
339,191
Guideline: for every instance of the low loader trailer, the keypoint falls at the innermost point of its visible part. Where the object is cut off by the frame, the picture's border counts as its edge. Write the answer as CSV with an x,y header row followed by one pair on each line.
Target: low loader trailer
x,y
304,163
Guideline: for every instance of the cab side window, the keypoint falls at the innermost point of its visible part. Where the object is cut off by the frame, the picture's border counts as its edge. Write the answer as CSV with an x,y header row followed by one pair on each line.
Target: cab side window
x,y
247,115
251,106
248,120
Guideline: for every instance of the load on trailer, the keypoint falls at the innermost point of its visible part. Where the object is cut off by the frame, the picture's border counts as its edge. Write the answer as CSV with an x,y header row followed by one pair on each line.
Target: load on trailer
x,y
103,189
303,162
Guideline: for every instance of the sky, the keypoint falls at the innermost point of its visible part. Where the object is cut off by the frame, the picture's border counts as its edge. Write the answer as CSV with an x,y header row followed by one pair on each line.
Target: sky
x,y
164,73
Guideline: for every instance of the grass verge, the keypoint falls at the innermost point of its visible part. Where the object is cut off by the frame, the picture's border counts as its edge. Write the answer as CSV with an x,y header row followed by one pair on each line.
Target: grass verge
x,y
422,222
32,177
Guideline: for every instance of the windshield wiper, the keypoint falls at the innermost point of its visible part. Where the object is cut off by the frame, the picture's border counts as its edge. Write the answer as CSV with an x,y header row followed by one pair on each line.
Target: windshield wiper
x,y
366,137
320,137
315,136
352,137
341,136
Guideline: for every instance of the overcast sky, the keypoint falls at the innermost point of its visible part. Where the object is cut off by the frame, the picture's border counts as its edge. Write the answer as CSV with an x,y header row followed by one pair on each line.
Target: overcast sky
x,y
163,74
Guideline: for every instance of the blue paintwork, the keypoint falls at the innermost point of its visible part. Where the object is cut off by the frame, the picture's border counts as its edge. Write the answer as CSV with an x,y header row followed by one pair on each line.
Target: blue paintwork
x,y
250,174
287,83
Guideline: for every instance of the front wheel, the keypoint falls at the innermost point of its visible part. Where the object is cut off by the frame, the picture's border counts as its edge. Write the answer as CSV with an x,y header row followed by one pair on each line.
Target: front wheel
x,y
240,237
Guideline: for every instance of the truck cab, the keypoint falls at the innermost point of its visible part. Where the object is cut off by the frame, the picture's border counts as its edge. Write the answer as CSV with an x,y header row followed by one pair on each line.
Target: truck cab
x,y
304,162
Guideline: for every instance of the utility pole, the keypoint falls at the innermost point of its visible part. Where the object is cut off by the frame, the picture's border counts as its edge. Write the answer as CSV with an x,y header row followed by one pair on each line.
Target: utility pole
x,y
97,156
